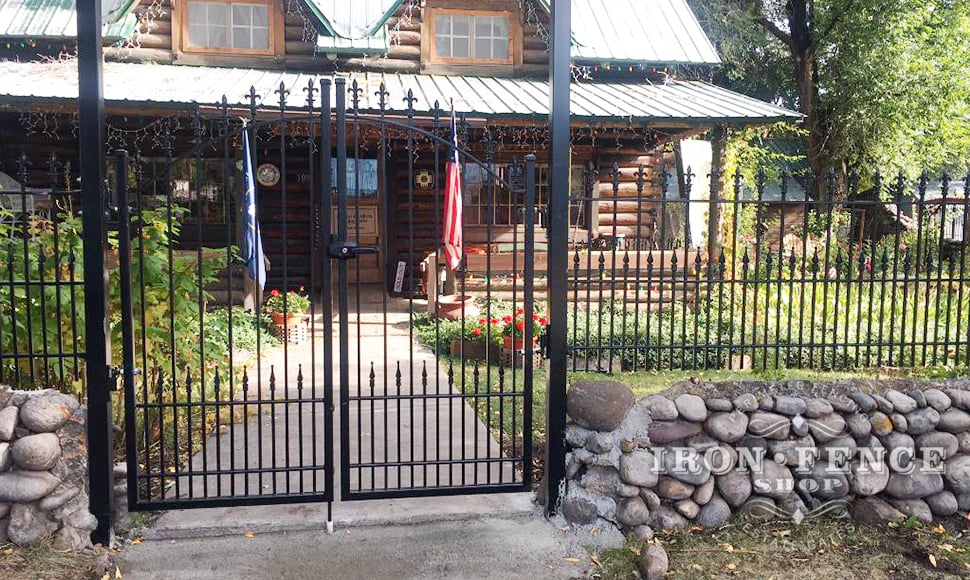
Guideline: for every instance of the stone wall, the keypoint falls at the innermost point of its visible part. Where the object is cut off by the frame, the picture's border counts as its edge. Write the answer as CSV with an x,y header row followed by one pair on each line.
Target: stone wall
x,y
700,453
43,470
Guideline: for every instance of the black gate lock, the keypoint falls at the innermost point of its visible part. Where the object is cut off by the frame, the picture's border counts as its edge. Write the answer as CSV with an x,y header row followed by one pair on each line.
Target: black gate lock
x,y
348,250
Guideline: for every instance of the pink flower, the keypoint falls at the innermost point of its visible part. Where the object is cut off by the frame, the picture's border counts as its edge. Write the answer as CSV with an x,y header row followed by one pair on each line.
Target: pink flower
x,y
274,292
477,332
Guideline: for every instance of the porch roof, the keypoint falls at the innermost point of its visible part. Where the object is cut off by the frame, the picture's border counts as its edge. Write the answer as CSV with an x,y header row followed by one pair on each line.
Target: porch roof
x,y
182,86
57,19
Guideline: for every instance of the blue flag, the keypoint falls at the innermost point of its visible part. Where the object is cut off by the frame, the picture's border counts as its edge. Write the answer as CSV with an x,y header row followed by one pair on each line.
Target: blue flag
x,y
252,242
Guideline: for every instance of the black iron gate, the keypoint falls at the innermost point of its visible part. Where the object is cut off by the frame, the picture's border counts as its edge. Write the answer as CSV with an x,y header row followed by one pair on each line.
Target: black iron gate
x,y
229,389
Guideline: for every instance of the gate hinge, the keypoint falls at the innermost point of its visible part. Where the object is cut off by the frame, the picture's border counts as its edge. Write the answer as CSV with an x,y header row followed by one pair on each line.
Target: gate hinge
x,y
348,250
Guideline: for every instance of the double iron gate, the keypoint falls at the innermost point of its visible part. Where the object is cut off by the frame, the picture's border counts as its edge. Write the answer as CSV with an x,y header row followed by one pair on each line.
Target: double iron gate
x,y
225,405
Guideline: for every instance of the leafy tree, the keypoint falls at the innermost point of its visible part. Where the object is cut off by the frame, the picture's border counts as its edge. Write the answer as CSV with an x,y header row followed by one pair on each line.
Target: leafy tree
x,y
881,82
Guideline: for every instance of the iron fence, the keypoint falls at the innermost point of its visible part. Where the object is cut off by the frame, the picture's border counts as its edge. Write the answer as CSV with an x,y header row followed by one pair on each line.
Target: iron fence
x,y
41,286
768,274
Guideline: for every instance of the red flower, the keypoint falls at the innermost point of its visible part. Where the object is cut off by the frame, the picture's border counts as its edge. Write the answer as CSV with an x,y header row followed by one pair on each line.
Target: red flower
x,y
495,321
274,292
477,332
868,264
506,319
543,321
535,317
520,325
520,311
483,321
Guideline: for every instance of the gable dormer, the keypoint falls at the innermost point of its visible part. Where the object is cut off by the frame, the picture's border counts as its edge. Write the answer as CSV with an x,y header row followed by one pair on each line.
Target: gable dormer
x,y
483,35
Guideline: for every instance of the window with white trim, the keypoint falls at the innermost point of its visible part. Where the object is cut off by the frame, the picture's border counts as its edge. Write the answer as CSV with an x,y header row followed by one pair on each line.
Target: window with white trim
x,y
229,25
474,37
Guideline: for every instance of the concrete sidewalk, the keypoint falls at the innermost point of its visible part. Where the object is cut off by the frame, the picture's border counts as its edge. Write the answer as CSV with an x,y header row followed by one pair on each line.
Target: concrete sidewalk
x,y
525,546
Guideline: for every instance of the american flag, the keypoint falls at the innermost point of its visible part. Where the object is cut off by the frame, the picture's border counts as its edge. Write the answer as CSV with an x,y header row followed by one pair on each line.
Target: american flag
x,y
451,236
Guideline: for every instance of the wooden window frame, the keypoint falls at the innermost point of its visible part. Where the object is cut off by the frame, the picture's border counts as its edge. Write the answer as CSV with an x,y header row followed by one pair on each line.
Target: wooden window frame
x,y
276,32
429,50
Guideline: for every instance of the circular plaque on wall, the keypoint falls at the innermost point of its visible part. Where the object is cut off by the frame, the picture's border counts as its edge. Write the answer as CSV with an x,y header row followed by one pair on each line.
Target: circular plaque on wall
x,y
267,175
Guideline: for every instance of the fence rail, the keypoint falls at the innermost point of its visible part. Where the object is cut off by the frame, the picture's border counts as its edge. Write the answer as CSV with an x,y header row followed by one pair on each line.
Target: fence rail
x,y
765,276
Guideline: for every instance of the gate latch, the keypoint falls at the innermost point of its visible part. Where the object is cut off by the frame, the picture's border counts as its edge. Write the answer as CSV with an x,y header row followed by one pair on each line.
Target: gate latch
x,y
348,250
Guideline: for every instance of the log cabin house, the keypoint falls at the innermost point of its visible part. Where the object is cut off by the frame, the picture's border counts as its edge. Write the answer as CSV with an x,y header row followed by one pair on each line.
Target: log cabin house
x,y
639,89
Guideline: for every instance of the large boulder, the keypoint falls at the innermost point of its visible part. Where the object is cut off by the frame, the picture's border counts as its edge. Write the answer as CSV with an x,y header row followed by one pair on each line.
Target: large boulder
x,y
632,512
901,403
599,405
639,468
920,482
653,562
691,407
666,518
957,474
47,413
26,486
734,487
36,452
827,481
868,479
827,427
8,422
770,425
728,427
660,408
875,512
664,432
772,479
28,524
687,466
713,513
922,421
954,420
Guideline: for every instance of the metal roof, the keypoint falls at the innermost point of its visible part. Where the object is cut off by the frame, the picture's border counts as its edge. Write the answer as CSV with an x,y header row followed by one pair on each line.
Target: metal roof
x,y
40,19
181,85
655,31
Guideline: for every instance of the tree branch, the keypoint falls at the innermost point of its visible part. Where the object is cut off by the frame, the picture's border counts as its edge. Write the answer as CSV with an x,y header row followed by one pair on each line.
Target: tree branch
x,y
778,33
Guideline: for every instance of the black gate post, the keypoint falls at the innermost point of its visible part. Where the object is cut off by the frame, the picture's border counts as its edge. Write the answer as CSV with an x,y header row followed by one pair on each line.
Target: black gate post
x,y
558,234
97,350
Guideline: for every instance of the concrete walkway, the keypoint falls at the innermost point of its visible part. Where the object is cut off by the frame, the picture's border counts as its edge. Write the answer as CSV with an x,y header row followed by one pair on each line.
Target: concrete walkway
x,y
499,548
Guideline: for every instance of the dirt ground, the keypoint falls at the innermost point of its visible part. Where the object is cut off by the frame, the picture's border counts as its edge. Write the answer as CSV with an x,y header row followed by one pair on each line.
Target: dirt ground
x,y
828,549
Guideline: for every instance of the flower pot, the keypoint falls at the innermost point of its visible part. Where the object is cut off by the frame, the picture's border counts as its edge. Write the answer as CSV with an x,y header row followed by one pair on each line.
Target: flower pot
x,y
474,350
287,318
517,343
456,306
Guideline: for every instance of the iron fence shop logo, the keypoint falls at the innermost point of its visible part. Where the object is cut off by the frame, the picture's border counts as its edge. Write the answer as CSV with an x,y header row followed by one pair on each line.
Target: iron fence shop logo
x,y
806,470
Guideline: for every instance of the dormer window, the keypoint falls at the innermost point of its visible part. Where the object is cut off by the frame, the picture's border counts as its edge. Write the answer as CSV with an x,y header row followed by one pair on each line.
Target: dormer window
x,y
243,27
473,37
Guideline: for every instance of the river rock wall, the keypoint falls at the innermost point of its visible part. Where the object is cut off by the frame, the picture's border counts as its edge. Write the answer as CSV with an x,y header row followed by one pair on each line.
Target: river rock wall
x,y
699,454
43,470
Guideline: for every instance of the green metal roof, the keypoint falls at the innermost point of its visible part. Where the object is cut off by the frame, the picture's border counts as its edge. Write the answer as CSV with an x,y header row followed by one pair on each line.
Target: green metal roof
x,y
611,103
42,19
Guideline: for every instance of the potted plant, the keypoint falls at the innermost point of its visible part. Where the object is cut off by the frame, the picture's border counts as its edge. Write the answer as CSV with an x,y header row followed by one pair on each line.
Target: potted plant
x,y
287,309
474,338
513,333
